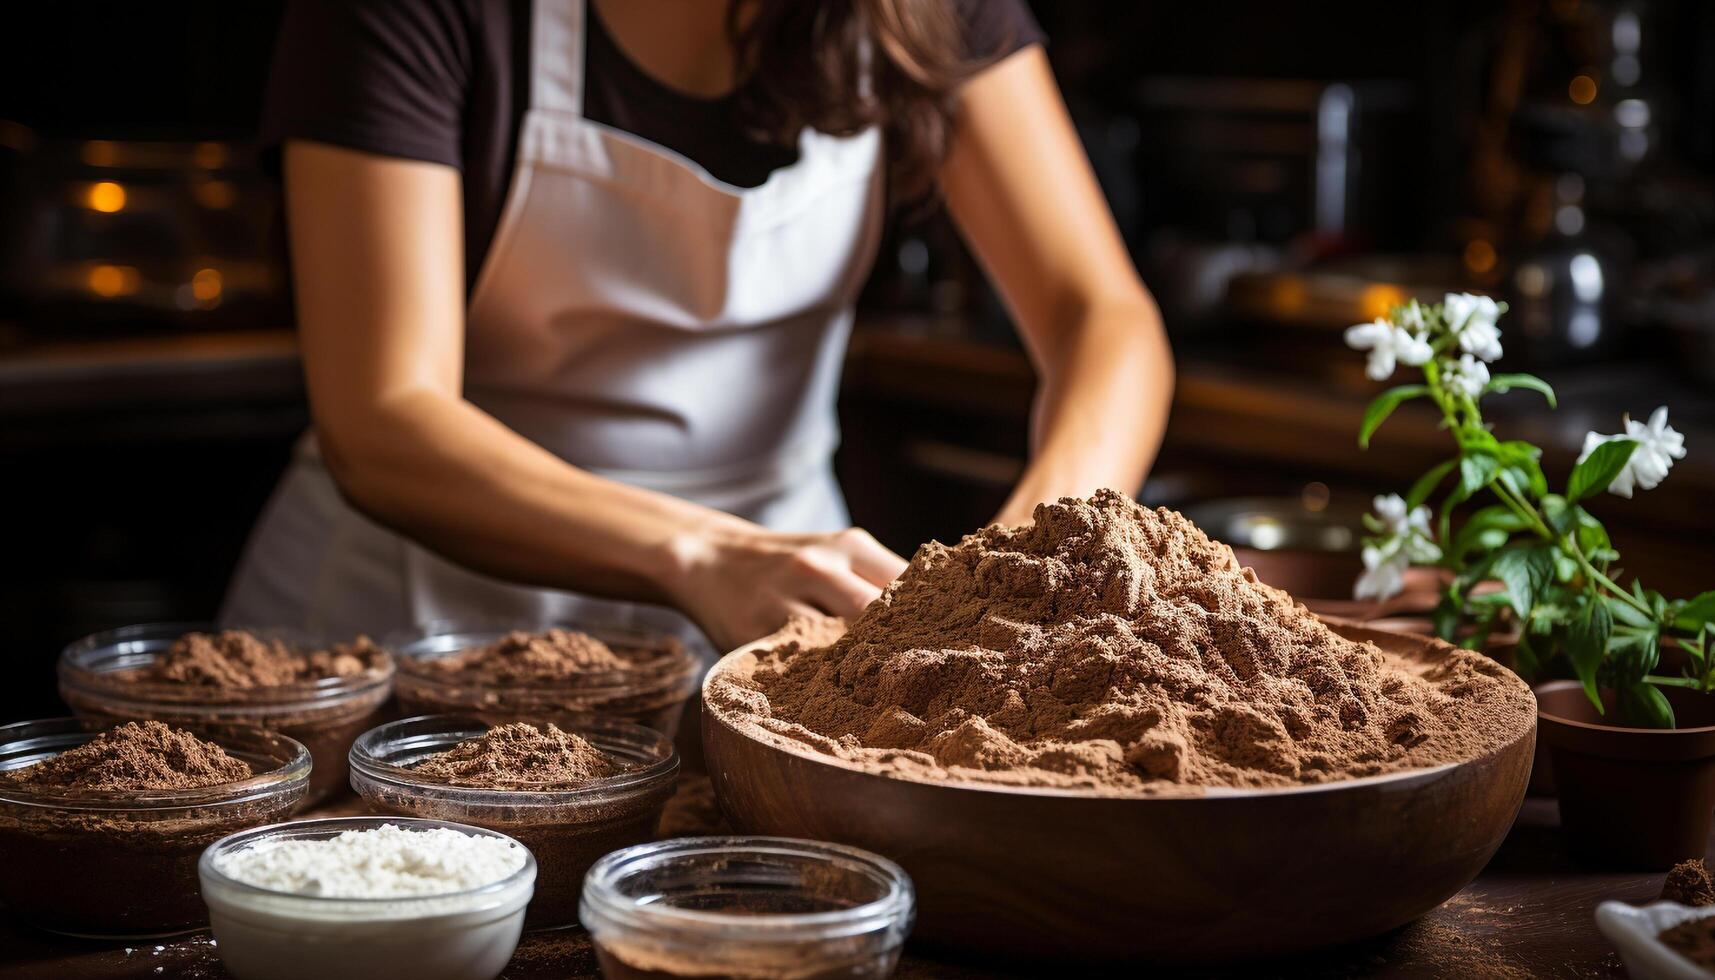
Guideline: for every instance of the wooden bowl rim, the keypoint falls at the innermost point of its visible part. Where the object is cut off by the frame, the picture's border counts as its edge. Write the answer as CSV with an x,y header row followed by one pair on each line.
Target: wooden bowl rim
x,y
799,750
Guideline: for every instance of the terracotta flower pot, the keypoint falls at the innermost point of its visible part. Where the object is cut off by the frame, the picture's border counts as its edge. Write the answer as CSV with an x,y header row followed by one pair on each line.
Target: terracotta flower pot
x,y
1633,798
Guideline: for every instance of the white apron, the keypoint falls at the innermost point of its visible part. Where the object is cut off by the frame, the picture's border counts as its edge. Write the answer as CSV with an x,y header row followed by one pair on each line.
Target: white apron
x,y
638,318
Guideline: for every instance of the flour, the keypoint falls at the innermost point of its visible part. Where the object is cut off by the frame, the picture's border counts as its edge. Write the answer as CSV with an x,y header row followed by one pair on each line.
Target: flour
x,y
387,862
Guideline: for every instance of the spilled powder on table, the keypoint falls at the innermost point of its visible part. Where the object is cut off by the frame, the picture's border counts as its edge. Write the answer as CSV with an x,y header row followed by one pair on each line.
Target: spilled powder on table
x,y
1111,647
239,660
134,757
522,755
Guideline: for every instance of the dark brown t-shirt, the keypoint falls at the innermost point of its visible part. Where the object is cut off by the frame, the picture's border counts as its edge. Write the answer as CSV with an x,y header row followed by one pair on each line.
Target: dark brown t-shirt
x,y
448,81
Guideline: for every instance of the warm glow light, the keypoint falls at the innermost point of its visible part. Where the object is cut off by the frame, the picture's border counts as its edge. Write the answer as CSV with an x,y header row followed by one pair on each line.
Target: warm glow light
x,y
1378,301
1582,89
100,153
210,156
108,281
1479,256
216,195
106,197
1288,297
205,285
1315,496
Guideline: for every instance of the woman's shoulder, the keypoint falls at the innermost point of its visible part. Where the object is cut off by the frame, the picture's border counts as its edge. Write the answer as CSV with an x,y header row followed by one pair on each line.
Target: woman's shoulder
x,y
386,76
997,28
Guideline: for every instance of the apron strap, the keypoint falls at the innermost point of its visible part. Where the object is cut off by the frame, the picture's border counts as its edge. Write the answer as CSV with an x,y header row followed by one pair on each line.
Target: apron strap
x,y
557,43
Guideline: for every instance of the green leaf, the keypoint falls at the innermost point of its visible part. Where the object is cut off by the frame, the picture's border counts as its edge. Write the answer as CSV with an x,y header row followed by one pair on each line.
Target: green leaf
x,y
1599,469
1481,528
1525,571
1628,614
1519,467
1503,383
1642,705
1475,472
1696,612
1634,652
1587,645
1427,483
1446,617
1383,406
1557,513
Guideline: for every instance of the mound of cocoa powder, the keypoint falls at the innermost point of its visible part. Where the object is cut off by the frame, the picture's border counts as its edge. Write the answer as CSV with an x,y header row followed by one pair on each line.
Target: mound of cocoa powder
x,y
518,656
133,757
522,755
237,660
1689,883
1114,648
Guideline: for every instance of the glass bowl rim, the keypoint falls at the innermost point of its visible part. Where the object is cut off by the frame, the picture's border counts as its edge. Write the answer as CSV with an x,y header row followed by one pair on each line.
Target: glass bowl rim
x,y
77,675
293,773
365,761
678,667
896,906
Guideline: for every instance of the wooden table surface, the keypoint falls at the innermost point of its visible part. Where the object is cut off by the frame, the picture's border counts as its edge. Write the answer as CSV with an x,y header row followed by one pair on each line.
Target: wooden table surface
x,y
1528,915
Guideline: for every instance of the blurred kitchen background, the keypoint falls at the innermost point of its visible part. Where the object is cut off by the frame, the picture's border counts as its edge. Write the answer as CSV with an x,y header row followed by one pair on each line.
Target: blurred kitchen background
x,y
1280,171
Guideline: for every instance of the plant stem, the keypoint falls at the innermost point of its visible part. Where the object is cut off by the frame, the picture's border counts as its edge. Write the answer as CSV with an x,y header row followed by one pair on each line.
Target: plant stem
x,y
1660,681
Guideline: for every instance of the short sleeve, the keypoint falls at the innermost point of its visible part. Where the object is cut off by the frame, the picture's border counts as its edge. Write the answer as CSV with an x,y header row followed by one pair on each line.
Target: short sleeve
x,y
383,76
997,28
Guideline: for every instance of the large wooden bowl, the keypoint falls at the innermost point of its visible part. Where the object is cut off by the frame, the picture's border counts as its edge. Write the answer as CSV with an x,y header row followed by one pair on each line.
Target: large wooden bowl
x,y
1225,875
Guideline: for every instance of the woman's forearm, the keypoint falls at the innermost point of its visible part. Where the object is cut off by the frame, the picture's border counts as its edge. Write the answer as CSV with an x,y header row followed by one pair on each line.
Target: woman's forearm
x,y
446,474
1102,407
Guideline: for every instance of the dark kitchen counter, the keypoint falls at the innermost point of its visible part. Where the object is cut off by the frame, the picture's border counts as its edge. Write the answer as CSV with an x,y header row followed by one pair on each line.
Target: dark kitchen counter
x,y
1529,914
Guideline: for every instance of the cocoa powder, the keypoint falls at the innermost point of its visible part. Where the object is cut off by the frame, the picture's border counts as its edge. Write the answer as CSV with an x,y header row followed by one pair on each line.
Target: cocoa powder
x,y
133,757
1112,648
1693,939
522,755
1689,883
555,654
235,659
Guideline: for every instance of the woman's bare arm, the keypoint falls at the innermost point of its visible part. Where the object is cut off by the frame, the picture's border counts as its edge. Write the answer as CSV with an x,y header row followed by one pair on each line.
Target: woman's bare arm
x,y
377,252
1019,187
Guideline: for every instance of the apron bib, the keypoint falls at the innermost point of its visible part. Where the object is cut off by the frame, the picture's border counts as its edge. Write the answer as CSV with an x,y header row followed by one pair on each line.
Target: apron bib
x,y
639,319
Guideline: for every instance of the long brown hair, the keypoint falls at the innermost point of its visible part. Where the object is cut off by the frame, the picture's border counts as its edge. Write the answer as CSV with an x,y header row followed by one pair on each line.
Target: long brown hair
x,y
803,64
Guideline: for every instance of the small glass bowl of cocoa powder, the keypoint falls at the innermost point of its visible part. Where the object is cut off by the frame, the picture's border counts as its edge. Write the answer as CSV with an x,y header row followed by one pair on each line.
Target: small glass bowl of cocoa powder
x,y
192,674
567,671
86,858
747,907
570,795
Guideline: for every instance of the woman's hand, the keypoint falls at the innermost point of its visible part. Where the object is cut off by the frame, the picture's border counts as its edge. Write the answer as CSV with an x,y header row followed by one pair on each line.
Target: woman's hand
x,y
740,583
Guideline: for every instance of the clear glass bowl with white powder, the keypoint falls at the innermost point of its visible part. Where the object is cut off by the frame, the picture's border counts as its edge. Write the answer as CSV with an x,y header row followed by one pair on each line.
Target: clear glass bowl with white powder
x,y
758,908
346,898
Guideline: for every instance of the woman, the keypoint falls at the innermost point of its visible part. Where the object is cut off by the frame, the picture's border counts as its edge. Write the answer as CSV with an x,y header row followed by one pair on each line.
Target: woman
x,y
574,280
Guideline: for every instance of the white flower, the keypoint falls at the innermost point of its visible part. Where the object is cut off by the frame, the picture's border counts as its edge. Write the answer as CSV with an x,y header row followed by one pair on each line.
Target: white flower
x,y
1387,343
1472,320
1467,376
1659,444
1411,317
1384,574
1404,539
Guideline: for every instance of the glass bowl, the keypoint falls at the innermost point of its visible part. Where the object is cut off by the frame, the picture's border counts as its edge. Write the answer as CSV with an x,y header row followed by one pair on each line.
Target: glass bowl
x,y
326,714
123,865
266,934
567,829
652,694
747,907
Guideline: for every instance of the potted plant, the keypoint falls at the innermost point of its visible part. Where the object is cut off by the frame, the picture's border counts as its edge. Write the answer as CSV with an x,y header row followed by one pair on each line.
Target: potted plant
x,y
1632,741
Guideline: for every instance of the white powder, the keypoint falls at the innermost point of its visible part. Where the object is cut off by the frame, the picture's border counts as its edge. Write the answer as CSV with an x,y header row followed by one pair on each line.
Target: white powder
x,y
386,862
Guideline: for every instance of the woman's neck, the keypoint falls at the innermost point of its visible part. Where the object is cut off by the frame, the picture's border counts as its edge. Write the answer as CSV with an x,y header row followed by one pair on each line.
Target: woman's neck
x,y
683,44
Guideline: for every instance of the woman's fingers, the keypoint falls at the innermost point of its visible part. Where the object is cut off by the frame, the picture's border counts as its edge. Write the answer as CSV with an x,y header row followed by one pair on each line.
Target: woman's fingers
x,y
827,580
869,558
